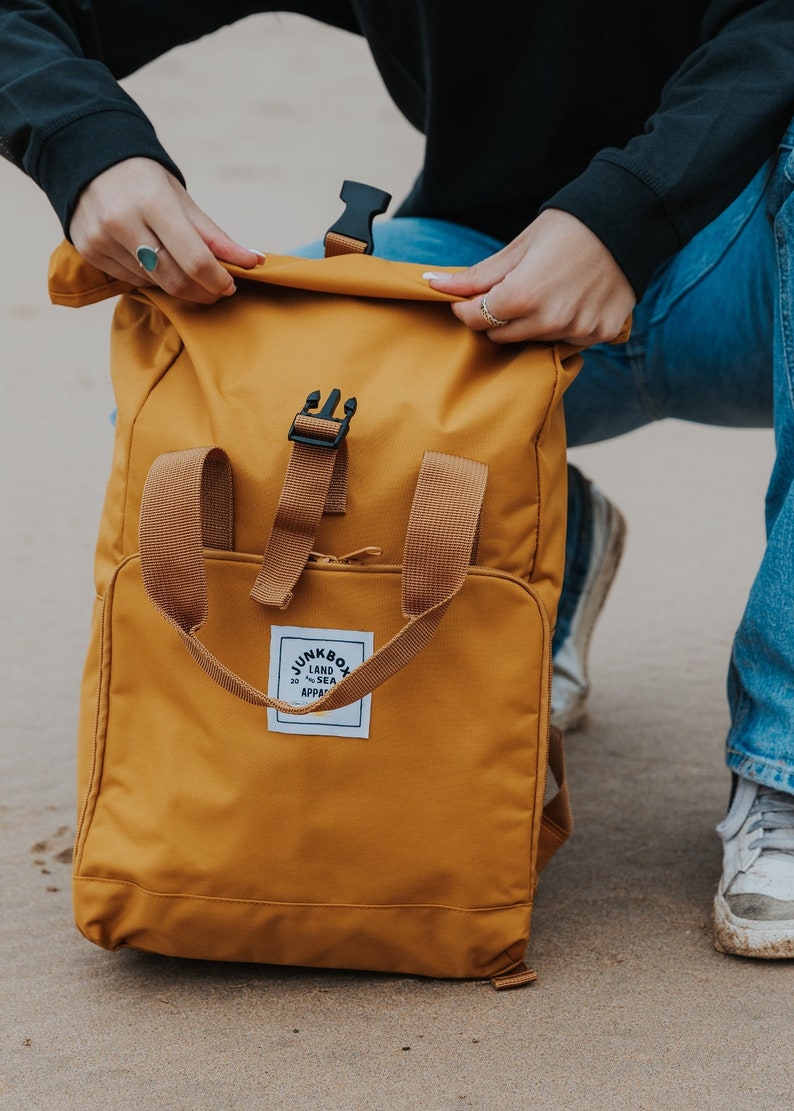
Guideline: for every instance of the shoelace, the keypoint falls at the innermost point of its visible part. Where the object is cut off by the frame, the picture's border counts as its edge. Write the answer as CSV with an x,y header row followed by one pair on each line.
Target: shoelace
x,y
775,819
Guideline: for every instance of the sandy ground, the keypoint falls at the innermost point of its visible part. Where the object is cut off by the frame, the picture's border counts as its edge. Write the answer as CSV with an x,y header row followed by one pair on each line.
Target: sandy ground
x,y
633,1007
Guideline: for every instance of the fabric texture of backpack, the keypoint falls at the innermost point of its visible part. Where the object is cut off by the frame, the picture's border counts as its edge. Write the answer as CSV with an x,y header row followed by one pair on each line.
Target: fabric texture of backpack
x,y
314,721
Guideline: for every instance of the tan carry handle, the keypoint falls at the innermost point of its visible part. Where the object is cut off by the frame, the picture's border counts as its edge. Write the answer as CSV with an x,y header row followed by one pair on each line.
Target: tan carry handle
x,y
187,505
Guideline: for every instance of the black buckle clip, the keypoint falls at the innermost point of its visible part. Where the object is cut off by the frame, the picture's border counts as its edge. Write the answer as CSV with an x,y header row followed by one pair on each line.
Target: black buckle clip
x,y
326,413
362,204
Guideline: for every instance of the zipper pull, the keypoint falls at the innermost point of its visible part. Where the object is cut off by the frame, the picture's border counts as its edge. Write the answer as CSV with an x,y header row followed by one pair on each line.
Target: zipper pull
x,y
358,556
361,555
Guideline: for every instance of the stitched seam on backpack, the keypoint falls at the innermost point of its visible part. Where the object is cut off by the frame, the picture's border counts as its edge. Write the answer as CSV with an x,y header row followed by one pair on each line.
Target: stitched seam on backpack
x,y
133,426
277,903
536,445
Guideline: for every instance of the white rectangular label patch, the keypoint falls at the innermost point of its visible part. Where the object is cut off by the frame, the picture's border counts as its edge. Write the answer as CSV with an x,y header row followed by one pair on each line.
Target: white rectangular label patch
x,y
307,663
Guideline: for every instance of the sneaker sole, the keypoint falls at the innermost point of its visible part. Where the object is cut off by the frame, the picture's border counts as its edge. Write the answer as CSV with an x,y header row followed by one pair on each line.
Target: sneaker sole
x,y
574,716
744,938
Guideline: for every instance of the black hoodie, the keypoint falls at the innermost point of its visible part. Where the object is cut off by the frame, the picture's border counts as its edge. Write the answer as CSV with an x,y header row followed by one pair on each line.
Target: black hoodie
x,y
642,119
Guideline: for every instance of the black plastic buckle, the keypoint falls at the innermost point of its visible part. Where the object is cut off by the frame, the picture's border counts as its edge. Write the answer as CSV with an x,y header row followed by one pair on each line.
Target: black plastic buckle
x,y
362,204
326,413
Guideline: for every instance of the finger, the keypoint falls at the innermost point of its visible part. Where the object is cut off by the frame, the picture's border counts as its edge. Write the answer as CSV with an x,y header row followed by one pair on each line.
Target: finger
x,y
111,257
578,332
189,271
219,243
225,248
478,278
133,274
525,330
540,319
138,203
164,220
187,267
530,312
117,256
123,264
480,311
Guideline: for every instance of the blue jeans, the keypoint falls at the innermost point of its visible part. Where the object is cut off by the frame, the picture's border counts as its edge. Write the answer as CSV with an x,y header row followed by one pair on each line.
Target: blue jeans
x,y
712,341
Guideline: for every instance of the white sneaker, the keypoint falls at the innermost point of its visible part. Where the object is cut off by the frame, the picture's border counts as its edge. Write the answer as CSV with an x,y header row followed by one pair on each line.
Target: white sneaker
x,y
754,906
570,683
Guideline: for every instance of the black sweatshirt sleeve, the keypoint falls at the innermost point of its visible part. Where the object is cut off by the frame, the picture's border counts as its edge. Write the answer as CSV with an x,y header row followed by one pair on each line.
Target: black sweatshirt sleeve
x,y
63,116
719,116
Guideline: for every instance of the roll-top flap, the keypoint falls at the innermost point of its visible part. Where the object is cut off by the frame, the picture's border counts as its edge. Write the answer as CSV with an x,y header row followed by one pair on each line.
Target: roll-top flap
x,y
74,282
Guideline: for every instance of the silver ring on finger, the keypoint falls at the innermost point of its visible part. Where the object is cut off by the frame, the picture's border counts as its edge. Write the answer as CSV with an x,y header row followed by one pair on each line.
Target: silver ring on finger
x,y
147,257
488,316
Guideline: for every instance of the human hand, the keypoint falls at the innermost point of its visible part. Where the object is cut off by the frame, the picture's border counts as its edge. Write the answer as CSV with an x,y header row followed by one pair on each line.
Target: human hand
x,y
555,281
139,202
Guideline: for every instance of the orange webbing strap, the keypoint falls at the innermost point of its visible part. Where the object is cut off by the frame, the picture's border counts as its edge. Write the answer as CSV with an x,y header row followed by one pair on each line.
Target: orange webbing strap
x,y
190,506
174,574
315,483
517,977
434,554
557,821
337,244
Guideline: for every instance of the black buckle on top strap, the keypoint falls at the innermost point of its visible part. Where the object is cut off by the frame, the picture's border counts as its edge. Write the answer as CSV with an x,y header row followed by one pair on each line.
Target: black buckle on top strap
x,y
362,204
326,413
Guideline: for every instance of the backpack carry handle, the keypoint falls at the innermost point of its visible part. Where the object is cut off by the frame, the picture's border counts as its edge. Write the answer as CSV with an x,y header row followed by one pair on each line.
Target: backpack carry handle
x,y
187,505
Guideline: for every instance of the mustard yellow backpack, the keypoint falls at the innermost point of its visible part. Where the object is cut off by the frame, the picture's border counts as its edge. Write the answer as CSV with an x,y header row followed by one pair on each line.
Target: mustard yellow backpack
x,y
315,714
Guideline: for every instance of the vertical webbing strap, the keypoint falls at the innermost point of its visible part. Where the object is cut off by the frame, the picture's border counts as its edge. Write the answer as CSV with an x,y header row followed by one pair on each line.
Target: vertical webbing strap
x,y
336,244
315,483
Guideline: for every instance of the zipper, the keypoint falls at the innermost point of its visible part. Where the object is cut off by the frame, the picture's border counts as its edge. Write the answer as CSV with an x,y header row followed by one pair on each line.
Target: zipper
x,y
360,555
